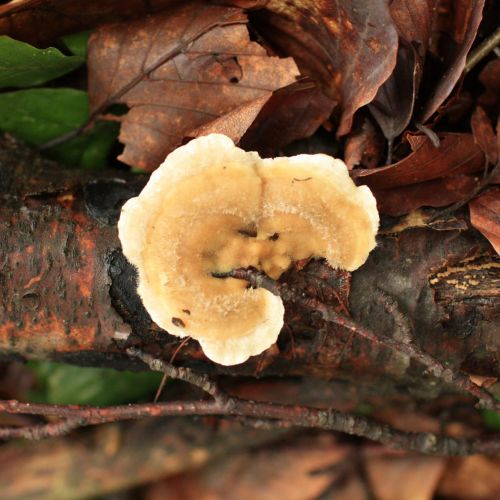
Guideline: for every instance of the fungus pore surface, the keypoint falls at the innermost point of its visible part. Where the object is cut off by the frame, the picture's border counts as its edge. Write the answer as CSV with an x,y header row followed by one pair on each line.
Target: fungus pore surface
x,y
212,207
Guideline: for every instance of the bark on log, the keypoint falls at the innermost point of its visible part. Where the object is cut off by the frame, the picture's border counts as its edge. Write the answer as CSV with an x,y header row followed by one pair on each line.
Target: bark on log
x,y
69,294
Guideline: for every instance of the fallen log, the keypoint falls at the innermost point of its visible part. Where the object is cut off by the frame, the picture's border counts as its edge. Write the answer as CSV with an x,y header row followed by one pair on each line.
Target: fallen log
x,y
68,293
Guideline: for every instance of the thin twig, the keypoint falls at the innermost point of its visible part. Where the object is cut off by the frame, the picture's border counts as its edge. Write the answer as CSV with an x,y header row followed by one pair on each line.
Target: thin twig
x,y
180,373
430,134
42,431
165,375
404,330
390,149
285,415
482,50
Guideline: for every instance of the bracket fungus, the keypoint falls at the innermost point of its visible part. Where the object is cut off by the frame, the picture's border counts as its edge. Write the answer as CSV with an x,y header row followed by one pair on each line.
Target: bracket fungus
x,y
211,208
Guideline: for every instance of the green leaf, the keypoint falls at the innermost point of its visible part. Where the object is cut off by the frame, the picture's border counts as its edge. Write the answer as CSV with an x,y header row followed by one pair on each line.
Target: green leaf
x,y
38,115
491,420
22,65
77,42
66,384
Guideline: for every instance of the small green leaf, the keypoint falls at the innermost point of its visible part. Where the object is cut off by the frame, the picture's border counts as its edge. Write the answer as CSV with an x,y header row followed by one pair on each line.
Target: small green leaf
x,y
66,384
77,42
39,115
491,420
22,65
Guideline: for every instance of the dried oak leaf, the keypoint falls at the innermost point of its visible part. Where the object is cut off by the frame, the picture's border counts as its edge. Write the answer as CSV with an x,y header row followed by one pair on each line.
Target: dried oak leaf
x,y
485,215
41,22
178,71
457,154
348,46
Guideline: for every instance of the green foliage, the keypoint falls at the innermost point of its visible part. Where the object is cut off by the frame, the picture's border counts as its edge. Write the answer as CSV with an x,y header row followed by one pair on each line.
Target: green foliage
x,y
491,420
77,43
66,384
22,65
38,115
364,409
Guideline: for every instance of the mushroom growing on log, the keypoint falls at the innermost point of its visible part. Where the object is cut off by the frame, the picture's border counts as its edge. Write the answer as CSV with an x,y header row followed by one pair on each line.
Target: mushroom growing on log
x,y
211,208
69,294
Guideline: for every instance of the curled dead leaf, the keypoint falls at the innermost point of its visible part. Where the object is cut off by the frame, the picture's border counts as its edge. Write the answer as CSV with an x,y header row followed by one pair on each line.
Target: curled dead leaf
x,y
392,107
457,154
268,123
465,17
348,46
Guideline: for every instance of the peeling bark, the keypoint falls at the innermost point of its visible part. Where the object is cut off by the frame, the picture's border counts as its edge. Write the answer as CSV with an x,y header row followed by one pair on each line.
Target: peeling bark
x,y
69,294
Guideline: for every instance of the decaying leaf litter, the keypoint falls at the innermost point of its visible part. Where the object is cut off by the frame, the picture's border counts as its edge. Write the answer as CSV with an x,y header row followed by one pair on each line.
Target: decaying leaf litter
x,y
194,69
388,93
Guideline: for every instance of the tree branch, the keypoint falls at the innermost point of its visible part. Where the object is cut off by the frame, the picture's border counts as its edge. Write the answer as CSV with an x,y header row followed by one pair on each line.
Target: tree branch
x,y
181,373
283,415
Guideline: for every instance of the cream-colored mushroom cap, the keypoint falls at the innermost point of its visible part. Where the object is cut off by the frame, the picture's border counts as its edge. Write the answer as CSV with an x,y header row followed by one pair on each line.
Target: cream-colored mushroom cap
x,y
212,207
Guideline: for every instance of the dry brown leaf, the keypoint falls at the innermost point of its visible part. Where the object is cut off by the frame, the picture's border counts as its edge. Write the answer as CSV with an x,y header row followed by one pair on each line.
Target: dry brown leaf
x,y
404,477
485,215
483,381
465,17
392,107
235,123
414,20
457,154
490,78
434,193
41,22
352,487
364,145
293,112
471,478
348,46
270,122
178,71
394,103
291,472
484,134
